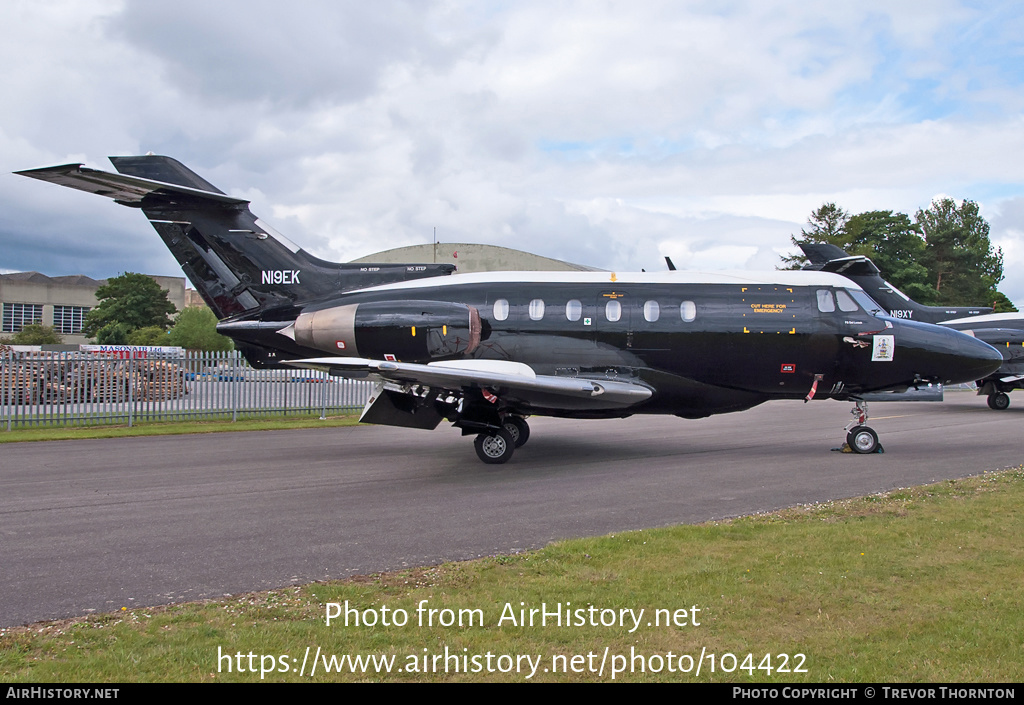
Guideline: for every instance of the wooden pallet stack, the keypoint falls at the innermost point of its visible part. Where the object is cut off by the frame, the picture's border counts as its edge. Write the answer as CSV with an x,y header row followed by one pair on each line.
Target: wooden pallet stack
x,y
48,378
157,380
19,384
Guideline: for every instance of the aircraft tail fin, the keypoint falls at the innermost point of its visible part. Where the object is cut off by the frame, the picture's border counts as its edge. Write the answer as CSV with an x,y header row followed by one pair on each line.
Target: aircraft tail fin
x,y
819,253
243,268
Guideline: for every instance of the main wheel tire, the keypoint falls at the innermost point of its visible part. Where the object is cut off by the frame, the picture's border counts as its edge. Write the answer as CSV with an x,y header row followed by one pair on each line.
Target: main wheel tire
x,y
999,401
520,430
495,448
862,440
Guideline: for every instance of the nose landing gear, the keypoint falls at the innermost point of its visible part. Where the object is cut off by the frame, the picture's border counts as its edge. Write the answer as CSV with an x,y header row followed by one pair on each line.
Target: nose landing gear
x,y
861,438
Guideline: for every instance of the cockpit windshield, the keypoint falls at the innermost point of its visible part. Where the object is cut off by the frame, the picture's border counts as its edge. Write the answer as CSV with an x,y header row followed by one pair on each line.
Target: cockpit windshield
x,y
866,302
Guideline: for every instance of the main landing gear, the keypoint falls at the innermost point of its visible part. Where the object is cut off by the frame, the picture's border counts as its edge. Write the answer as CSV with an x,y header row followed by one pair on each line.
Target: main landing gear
x,y
496,447
999,401
861,438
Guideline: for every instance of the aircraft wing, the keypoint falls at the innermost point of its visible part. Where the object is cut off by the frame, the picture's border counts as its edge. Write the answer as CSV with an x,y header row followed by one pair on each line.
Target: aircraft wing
x,y
412,386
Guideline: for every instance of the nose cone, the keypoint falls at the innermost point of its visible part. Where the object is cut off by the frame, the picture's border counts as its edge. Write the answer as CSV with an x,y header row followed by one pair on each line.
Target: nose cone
x,y
977,358
942,355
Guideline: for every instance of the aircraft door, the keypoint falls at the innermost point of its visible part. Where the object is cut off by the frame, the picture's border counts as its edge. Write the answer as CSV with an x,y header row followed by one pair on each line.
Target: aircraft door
x,y
861,336
838,317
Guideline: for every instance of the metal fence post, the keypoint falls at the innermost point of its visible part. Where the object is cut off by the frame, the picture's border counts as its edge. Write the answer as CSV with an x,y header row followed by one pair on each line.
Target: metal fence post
x,y
323,395
131,391
7,386
235,386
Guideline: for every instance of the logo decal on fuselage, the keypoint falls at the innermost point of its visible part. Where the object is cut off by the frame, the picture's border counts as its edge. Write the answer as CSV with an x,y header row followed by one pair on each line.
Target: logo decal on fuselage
x,y
883,348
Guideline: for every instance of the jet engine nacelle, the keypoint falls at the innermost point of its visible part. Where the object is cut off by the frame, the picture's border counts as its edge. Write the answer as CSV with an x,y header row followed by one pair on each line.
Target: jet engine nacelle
x,y
409,331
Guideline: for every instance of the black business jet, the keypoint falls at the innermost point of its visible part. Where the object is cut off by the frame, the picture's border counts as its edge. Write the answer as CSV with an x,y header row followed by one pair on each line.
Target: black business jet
x,y
484,351
1004,331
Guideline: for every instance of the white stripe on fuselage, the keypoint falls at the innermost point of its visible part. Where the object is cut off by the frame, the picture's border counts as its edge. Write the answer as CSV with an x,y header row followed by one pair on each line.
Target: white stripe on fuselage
x,y
613,279
989,318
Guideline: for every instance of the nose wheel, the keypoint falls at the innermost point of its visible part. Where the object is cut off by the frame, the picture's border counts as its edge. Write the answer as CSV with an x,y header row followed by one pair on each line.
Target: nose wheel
x,y
861,438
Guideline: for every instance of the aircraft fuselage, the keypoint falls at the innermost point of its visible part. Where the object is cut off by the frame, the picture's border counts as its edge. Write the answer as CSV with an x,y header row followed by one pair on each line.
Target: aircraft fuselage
x,y
703,346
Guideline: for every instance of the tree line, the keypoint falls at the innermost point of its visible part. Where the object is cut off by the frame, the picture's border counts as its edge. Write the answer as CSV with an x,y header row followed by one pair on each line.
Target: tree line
x,y
941,257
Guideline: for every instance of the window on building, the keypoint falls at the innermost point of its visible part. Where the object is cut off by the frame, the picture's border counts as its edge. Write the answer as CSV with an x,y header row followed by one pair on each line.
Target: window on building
x,y
67,320
17,316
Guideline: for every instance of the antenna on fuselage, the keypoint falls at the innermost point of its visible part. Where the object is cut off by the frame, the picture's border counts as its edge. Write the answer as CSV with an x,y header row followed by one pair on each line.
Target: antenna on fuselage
x,y
668,261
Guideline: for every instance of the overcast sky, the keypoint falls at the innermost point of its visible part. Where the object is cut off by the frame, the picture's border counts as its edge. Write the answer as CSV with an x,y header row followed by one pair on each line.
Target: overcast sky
x,y
604,133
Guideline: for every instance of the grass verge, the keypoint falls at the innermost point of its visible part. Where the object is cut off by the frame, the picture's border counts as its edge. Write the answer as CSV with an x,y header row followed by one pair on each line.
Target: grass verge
x,y
156,428
919,584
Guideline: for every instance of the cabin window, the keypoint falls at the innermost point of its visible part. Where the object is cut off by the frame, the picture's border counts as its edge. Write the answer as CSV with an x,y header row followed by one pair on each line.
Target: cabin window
x,y
613,310
826,304
651,311
688,311
501,309
573,310
536,309
846,302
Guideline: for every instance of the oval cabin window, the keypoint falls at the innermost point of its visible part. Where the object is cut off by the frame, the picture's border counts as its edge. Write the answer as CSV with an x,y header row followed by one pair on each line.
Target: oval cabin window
x,y
501,309
536,309
688,311
613,310
573,310
651,311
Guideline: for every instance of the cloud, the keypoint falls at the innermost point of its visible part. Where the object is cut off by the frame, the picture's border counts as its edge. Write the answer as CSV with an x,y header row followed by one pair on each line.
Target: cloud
x,y
607,134
292,56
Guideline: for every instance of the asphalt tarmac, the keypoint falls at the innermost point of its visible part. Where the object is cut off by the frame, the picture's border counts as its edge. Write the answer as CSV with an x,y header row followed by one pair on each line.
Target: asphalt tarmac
x,y
91,526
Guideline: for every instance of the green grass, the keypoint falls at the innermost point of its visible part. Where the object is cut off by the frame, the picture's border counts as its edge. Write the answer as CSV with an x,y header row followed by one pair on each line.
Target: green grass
x,y
920,584
157,428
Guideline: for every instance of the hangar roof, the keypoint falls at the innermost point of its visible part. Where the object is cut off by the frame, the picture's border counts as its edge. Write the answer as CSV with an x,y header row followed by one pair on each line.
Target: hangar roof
x,y
473,257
